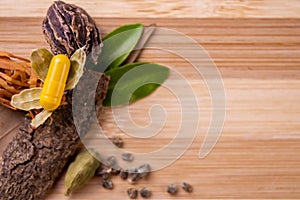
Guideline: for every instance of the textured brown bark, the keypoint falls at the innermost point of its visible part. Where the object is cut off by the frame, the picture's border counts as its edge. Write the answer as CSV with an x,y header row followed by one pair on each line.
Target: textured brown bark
x,y
34,158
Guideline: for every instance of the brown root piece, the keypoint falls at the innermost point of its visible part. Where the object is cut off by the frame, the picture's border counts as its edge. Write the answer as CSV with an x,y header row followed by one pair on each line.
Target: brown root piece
x,y
34,158
16,75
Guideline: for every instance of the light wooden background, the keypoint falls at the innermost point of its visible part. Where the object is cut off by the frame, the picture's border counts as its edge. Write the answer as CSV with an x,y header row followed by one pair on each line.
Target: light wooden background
x,y
163,8
256,47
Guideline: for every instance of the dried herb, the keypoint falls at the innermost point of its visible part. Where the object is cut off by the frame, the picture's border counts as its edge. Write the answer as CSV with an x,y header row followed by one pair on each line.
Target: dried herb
x,y
132,193
172,189
81,170
145,192
16,75
187,187
30,98
38,156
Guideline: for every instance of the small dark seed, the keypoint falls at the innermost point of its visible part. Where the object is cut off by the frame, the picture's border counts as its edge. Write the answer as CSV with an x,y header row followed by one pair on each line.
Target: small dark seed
x,y
123,174
145,192
132,193
111,161
127,157
172,189
133,177
106,175
117,141
98,171
144,170
108,184
187,187
115,170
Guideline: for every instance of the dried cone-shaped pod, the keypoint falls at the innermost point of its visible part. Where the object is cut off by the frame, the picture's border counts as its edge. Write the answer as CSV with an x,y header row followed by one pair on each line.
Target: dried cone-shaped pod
x,y
68,27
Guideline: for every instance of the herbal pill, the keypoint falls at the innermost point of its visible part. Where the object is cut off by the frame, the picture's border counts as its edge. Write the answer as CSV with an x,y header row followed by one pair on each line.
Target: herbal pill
x,y
55,82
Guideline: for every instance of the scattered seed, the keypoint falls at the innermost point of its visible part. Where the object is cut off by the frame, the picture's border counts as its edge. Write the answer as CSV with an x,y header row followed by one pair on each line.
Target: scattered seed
x,y
144,170
98,171
106,175
115,170
127,157
132,193
123,174
172,189
116,140
133,178
111,161
145,192
187,187
108,184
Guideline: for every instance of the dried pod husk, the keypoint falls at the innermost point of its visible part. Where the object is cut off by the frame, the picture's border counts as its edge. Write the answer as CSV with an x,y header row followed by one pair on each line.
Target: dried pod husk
x,y
16,75
81,170
68,27
27,99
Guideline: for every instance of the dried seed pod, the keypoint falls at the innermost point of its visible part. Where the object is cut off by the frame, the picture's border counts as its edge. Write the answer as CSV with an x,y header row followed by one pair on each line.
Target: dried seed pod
x,y
68,27
81,170
145,192
132,193
187,187
172,189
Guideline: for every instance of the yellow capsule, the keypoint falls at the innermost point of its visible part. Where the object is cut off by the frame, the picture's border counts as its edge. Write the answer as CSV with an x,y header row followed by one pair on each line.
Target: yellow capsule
x,y
55,82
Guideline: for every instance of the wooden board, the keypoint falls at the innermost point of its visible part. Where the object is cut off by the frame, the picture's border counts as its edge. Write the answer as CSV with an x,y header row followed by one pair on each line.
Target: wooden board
x,y
162,8
257,155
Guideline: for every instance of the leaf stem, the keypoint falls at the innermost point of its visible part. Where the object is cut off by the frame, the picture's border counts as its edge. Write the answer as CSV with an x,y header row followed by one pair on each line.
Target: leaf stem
x,y
147,33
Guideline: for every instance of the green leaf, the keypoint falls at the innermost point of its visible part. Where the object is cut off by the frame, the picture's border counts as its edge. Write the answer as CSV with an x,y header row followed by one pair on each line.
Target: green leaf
x,y
117,46
40,61
76,70
27,99
133,82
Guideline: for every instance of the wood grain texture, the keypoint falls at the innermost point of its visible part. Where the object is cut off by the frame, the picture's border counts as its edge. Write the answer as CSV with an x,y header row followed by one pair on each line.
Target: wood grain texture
x,y
163,8
257,155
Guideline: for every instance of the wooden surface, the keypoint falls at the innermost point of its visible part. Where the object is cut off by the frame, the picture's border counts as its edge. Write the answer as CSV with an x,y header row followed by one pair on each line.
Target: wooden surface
x,y
257,155
163,8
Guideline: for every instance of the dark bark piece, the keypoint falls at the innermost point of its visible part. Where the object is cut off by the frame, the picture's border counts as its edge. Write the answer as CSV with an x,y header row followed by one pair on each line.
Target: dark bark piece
x,y
34,158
